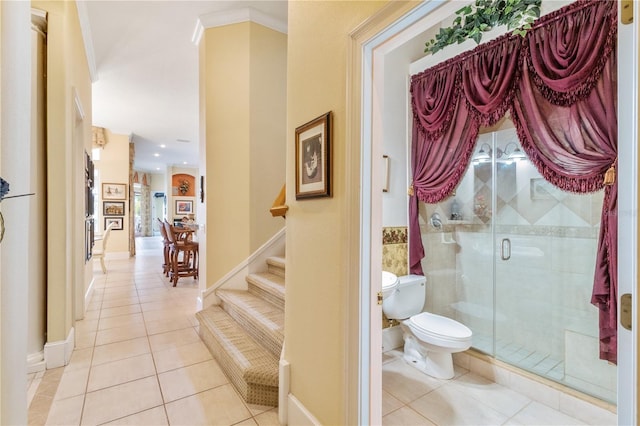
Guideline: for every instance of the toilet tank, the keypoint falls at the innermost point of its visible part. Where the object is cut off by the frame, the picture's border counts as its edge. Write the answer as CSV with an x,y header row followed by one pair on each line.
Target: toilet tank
x,y
407,299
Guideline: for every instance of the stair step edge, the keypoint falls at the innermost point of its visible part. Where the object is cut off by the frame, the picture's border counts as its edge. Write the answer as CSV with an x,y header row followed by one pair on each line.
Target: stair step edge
x,y
266,371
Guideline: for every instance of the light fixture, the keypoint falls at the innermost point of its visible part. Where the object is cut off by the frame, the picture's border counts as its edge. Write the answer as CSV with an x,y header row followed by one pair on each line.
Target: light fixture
x,y
516,154
163,146
156,155
483,155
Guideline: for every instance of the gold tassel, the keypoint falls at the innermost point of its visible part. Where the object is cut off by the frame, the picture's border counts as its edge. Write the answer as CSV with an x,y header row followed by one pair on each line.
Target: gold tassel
x,y
610,175
410,191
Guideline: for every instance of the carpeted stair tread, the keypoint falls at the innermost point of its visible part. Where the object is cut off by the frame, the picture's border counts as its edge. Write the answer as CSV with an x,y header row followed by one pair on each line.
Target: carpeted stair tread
x,y
250,367
261,319
276,265
269,286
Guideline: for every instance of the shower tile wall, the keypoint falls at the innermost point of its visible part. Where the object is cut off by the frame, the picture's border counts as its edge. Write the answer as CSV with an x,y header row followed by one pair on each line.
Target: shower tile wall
x,y
548,229
394,256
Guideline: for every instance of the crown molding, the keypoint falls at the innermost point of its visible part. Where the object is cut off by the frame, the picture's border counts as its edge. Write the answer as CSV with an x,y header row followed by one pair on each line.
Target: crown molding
x,y
85,28
219,19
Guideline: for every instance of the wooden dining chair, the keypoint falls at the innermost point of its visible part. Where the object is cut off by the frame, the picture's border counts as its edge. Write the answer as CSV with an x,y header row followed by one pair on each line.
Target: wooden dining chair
x,y
166,266
183,254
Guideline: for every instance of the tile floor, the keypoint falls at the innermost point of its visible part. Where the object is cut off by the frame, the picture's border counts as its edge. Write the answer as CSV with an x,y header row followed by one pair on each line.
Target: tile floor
x,y
410,397
139,359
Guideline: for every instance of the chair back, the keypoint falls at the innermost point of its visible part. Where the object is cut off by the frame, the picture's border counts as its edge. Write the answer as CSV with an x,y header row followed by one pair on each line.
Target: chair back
x,y
105,236
169,231
163,230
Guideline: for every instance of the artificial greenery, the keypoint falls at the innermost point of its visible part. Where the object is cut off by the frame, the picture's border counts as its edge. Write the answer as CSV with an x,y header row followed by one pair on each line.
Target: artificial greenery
x,y
473,20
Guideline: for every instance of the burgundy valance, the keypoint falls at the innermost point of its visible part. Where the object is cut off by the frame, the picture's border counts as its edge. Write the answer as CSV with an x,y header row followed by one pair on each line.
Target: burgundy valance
x,y
559,85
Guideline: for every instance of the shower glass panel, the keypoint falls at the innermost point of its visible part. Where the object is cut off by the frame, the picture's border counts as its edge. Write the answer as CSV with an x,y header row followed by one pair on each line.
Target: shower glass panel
x,y
514,261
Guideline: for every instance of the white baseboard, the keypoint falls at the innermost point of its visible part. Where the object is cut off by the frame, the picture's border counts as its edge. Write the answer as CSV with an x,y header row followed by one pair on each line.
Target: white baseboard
x,y
57,354
36,362
284,384
392,338
237,277
298,415
89,294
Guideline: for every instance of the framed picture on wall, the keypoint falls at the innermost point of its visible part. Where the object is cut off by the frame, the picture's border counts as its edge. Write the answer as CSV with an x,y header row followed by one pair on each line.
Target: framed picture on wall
x,y
113,208
117,223
114,191
313,158
184,207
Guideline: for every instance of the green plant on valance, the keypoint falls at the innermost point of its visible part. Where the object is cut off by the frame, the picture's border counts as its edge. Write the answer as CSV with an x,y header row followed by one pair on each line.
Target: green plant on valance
x,y
483,16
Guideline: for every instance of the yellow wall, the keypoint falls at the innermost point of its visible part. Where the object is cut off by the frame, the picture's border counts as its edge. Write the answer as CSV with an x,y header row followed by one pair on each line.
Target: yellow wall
x,y
317,273
1,340
114,168
67,72
268,130
243,74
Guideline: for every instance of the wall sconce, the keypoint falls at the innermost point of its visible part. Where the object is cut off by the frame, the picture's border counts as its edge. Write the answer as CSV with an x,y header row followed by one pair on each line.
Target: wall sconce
x,y
485,153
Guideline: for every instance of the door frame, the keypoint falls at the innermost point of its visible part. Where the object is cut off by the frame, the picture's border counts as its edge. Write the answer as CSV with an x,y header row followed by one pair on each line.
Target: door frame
x,y
367,42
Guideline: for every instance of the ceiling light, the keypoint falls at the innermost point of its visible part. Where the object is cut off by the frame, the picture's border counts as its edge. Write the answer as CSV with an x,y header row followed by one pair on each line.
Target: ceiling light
x,y
184,162
156,155
163,146
183,140
157,168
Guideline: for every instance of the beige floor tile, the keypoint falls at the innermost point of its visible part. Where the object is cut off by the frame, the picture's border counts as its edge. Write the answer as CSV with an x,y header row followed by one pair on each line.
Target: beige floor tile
x,y
405,382
220,406
66,412
448,405
539,414
405,416
153,417
72,383
120,350
493,395
121,321
86,325
173,339
118,334
120,401
122,371
249,422
269,418
176,384
86,340
80,358
150,316
389,403
120,310
91,315
115,293
115,303
181,356
168,324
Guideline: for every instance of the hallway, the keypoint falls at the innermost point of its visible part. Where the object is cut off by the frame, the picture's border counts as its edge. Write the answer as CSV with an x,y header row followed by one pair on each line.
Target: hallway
x,y
138,358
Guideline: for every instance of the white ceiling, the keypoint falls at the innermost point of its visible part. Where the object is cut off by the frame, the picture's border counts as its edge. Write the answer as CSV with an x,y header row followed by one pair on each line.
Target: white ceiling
x,y
145,72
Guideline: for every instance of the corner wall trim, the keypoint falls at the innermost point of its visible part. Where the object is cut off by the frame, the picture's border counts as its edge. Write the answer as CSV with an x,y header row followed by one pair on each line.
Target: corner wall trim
x,y
57,354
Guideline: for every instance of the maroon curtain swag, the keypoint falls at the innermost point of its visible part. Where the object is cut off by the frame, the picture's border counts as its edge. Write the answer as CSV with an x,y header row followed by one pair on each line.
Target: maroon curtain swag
x,y
559,84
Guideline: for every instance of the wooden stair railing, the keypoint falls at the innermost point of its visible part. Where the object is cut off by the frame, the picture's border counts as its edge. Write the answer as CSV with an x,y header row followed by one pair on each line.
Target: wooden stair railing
x,y
279,207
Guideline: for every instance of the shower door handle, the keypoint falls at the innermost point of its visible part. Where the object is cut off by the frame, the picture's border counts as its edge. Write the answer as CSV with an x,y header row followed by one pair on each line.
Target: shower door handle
x,y
505,249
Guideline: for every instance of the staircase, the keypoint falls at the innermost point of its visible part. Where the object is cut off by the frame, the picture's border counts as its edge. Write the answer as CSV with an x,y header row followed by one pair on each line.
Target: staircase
x,y
245,333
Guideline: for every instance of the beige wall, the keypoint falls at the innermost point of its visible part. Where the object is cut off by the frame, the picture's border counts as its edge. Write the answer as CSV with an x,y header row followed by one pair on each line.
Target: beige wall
x,y
317,270
67,73
243,74
113,167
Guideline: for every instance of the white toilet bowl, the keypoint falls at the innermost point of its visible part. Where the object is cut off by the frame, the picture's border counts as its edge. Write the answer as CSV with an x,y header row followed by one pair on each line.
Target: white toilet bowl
x,y
429,339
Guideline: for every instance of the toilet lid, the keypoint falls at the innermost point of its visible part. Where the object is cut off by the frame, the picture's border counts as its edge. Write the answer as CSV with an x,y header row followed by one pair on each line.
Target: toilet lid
x,y
441,326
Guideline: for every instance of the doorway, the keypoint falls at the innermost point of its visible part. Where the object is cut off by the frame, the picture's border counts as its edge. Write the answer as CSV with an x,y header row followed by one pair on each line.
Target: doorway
x,y
383,54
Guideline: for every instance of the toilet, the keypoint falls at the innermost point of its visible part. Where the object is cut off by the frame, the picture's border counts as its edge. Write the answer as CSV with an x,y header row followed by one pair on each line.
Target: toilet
x,y
429,339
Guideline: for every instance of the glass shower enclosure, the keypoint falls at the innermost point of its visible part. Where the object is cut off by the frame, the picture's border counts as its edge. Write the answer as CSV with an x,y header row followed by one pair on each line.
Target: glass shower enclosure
x,y
512,257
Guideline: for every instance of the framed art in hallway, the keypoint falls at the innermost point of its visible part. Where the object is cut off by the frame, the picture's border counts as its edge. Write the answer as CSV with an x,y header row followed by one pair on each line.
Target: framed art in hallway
x,y
114,191
117,223
313,158
113,208
184,207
